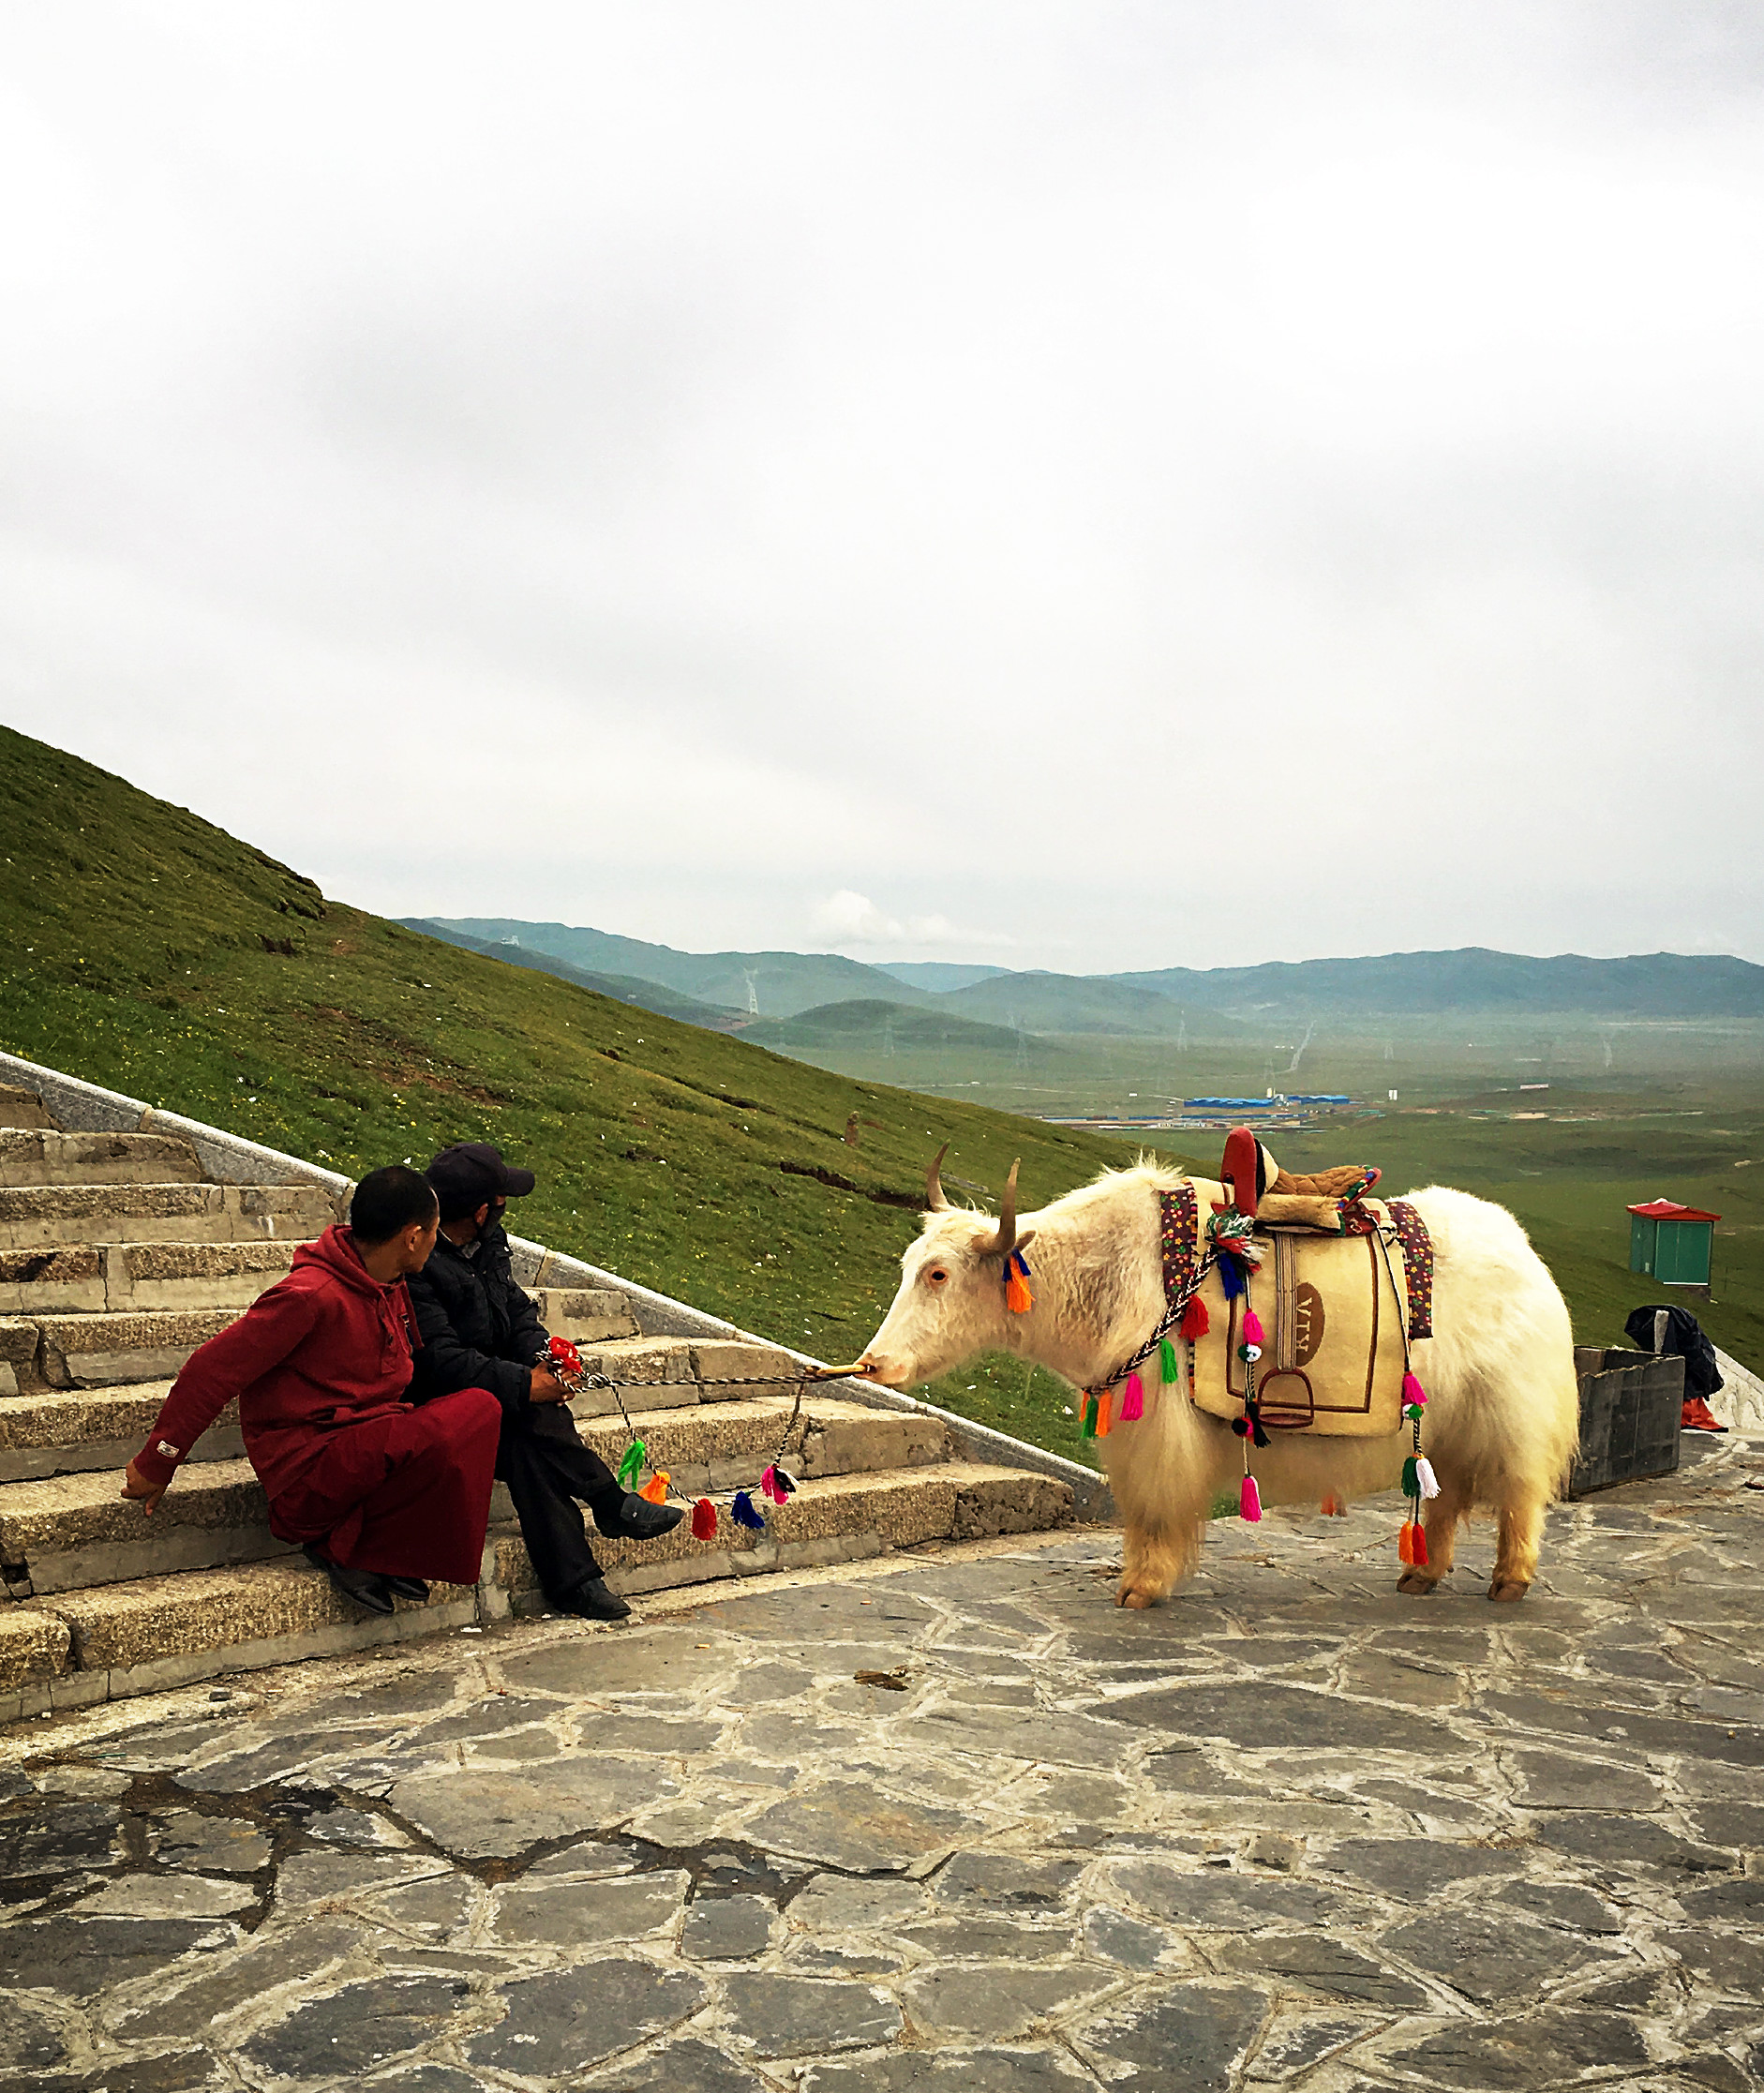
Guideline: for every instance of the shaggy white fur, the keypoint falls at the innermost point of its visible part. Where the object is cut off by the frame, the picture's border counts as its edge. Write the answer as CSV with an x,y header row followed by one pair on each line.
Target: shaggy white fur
x,y
1502,1415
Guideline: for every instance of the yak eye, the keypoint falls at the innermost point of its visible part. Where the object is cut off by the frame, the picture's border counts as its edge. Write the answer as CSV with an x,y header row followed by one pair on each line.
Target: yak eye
x,y
936,1276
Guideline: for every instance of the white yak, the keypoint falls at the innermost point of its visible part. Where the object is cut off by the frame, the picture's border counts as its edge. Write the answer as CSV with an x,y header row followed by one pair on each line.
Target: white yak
x,y
1502,1420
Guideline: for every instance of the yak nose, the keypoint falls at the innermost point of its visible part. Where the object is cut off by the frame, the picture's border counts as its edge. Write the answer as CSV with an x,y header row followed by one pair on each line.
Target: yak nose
x,y
891,1372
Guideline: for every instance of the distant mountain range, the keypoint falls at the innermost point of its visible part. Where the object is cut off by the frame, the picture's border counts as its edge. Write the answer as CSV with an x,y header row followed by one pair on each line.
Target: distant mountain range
x,y
720,989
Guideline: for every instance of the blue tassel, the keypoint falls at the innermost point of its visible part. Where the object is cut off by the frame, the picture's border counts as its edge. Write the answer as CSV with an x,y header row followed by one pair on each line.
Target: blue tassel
x,y
1231,1276
743,1514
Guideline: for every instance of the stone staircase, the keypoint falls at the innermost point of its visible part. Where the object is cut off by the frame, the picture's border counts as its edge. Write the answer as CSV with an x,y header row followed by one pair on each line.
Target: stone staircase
x,y
120,1252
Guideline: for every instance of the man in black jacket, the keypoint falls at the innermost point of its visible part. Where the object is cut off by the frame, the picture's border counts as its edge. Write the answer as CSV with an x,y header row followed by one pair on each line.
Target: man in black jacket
x,y
480,1330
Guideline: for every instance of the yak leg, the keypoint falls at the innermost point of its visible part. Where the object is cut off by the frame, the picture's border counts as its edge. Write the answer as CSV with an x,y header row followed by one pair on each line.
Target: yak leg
x,y
1516,1553
1151,1558
1439,1521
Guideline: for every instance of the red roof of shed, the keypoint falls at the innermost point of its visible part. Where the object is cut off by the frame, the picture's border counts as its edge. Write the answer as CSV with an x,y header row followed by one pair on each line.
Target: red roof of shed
x,y
1669,1210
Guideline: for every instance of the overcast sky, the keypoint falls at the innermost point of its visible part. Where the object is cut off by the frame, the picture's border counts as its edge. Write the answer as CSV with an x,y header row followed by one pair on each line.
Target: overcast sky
x,y
1089,486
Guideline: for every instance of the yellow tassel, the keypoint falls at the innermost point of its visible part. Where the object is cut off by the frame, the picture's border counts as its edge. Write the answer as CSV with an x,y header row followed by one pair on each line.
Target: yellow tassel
x,y
655,1490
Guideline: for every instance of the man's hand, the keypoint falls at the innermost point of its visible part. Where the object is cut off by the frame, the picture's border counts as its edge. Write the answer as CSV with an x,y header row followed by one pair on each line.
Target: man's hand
x,y
136,1485
545,1387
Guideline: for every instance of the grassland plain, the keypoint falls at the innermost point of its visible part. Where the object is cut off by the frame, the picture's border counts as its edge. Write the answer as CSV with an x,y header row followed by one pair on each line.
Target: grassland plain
x,y
150,951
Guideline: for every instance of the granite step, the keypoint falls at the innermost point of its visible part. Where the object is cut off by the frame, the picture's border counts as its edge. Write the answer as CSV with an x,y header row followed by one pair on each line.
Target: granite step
x,y
84,1429
61,1532
836,1519
105,1349
44,1217
91,1278
43,1156
585,1315
160,1632
23,1108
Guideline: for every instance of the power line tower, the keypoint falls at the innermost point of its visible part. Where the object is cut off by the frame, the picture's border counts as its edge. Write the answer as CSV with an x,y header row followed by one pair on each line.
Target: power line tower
x,y
751,979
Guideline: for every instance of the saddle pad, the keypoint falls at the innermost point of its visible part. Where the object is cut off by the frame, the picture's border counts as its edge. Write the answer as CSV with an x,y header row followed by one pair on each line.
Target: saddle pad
x,y
1333,1356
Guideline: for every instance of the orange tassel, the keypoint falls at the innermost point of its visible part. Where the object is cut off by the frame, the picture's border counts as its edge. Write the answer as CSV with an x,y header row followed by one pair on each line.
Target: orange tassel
x,y
1103,1415
1018,1298
655,1490
1406,1542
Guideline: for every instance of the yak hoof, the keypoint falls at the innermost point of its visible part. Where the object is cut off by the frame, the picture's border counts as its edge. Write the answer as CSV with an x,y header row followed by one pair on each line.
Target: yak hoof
x,y
1127,1596
1508,1589
1417,1583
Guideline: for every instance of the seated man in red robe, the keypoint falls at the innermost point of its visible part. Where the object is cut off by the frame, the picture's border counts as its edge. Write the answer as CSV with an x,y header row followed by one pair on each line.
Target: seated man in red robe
x,y
380,1494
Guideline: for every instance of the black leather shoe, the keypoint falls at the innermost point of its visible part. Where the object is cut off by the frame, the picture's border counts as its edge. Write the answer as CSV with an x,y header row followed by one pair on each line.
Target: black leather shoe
x,y
638,1519
366,1587
591,1601
408,1588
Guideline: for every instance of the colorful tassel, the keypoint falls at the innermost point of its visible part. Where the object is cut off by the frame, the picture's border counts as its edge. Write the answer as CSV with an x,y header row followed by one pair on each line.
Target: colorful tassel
x,y
1088,1422
1231,1276
655,1490
1253,1332
1018,1298
784,1485
704,1520
1426,1479
565,1354
1167,1366
1132,1399
1194,1319
1249,1500
1406,1542
743,1513
1412,1392
1420,1547
632,1465
1411,1485
1103,1415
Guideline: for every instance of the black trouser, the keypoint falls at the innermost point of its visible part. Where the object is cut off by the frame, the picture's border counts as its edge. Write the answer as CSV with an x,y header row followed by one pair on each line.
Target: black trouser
x,y
542,1460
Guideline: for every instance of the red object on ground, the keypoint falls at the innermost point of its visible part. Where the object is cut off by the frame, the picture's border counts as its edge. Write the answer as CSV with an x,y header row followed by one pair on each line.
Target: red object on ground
x,y
326,1346
1697,1416
405,1491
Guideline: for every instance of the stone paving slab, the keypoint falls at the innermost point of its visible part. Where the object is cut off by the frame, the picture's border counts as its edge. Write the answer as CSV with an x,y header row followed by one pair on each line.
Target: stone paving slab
x,y
948,1820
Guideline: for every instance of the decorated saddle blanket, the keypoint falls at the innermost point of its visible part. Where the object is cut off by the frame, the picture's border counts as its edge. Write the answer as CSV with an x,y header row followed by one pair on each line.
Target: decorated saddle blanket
x,y
1335,1309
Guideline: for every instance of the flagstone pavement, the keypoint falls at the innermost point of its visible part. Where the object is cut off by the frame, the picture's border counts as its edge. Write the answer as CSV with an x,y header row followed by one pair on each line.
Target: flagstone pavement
x,y
946,1821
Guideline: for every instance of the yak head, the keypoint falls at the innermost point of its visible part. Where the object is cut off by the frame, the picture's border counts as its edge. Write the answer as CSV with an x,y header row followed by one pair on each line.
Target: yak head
x,y
951,1299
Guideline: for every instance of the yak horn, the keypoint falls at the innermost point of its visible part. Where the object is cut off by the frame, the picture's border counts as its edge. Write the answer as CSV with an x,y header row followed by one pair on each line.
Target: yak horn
x,y
1006,1240
935,1200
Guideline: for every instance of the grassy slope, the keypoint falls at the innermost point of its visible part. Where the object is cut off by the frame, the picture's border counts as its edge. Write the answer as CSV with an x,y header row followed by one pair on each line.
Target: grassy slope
x,y
149,951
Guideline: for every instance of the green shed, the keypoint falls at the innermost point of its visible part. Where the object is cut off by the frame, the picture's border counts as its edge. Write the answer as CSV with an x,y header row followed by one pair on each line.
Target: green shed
x,y
1673,1245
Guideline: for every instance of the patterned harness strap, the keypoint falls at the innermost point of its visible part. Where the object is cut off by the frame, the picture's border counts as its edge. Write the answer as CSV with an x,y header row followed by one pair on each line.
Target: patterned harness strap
x,y
1417,1258
1179,1234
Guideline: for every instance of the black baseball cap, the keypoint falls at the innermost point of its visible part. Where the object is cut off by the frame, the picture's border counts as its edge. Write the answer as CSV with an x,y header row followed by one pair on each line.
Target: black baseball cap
x,y
470,1174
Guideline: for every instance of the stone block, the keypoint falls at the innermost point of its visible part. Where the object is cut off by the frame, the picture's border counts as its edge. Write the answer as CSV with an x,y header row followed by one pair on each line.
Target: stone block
x,y
634,1362
45,1281
87,1429
33,1646
849,1438
102,1350
22,1108
733,1372
585,1315
1008,1501
36,1155
75,1530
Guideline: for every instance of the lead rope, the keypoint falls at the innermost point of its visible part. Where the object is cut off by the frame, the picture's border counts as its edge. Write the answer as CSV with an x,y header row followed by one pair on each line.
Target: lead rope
x,y
776,1484
1418,1479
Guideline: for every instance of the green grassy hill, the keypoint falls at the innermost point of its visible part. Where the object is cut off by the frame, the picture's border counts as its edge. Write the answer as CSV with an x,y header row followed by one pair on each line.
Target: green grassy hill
x,y
866,1023
148,950
622,988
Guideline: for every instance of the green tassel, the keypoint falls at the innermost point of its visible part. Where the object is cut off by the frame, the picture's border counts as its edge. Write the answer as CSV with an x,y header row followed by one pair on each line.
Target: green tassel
x,y
632,1465
1090,1416
1167,1360
1410,1481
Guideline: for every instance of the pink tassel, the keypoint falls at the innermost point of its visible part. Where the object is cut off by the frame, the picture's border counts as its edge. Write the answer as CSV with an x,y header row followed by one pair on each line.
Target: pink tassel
x,y
1412,1391
1132,1399
1252,1328
1249,1501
